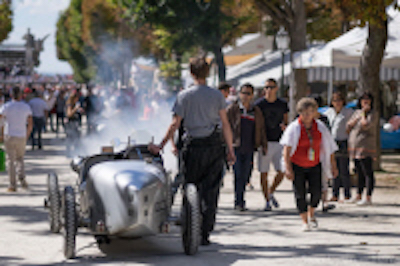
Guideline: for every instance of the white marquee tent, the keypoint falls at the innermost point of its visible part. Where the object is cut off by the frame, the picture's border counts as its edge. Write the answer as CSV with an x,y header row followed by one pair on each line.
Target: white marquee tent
x,y
345,51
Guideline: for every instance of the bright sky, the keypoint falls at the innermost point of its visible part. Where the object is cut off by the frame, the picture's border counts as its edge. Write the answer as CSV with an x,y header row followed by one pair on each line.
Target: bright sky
x,y
41,17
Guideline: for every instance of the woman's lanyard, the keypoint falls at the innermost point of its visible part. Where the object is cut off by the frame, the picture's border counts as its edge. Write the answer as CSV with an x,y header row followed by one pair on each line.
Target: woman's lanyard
x,y
311,152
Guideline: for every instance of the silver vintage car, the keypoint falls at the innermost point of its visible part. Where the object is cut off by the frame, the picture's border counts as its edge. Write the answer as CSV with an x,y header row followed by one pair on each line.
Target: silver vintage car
x,y
124,194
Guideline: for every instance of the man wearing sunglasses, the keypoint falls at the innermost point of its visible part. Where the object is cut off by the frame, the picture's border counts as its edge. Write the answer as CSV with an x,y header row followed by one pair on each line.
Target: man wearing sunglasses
x,y
247,123
275,113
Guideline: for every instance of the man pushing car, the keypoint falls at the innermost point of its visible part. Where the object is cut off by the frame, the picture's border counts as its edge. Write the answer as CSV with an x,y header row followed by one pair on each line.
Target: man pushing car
x,y
202,110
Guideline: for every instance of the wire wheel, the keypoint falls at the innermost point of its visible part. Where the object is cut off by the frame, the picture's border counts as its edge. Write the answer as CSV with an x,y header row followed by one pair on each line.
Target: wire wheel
x,y
190,220
55,202
70,225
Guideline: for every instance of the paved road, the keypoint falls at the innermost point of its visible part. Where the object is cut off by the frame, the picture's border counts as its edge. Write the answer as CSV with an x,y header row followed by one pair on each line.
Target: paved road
x,y
349,235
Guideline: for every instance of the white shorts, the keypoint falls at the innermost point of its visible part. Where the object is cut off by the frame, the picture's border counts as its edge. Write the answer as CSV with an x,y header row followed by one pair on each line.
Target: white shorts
x,y
273,156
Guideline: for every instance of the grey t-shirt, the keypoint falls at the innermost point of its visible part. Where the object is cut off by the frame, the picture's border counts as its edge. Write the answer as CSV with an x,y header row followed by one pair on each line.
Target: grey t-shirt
x,y
199,107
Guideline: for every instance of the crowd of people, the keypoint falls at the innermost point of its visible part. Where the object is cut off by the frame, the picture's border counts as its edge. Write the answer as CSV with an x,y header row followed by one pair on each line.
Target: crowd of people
x,y
312,150
217,129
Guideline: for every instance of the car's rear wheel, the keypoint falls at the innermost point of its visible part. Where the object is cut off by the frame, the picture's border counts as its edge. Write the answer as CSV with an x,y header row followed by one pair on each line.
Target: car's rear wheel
x,y
191,220
54,201
70,222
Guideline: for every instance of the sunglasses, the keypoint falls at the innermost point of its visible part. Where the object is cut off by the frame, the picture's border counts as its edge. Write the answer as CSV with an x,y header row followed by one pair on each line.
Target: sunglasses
x,y
269,87
246,93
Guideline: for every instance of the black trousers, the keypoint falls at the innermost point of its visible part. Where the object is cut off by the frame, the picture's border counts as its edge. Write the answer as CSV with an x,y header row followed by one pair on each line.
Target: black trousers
x,y
365,175
203,161
307,179
344,177
38,125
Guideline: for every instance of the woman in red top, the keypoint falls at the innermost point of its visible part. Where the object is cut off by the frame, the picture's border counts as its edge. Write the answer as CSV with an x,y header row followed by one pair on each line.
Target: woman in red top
x,y
307,146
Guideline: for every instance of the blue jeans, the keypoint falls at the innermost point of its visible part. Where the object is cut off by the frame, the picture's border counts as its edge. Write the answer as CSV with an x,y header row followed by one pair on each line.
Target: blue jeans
x,y
242,170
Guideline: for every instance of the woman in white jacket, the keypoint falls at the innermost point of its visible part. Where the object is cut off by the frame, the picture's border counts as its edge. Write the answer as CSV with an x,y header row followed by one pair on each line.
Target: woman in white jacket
x,y
308,150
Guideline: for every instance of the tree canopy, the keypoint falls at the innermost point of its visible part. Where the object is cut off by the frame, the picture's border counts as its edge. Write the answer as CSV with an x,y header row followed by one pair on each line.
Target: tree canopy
x,y
71,47
5,19
181,25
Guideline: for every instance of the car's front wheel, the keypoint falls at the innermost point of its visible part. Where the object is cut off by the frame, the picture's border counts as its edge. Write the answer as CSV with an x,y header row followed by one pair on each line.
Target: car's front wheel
x,y
70,222
191,220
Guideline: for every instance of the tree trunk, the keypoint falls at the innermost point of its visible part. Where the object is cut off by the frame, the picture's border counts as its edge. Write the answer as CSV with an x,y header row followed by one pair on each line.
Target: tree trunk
x,y
219,59
298,33
370,64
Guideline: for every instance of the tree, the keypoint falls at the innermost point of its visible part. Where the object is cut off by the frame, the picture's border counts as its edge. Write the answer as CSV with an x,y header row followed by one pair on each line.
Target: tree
x,y
325,20
5,19
113,36
208,24
373,13
98,42
292,16
70,46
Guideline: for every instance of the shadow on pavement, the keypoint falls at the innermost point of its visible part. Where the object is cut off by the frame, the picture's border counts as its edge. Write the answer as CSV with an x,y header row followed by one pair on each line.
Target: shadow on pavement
x,y
149,251
24,215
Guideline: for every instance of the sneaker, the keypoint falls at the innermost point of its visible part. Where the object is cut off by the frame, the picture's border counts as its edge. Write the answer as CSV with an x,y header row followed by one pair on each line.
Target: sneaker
x,y
267,207
348,200
364,202
333,199
24,185
11,189
305,228
313,223
205,240
328,207
274,201
353,200
250,186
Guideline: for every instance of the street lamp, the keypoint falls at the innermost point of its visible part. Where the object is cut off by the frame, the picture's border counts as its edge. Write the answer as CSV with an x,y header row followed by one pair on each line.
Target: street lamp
x,y
282,42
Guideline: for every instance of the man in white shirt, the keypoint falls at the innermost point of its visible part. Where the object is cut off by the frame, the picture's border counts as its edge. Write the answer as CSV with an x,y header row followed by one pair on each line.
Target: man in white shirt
x,y
18,126
39,109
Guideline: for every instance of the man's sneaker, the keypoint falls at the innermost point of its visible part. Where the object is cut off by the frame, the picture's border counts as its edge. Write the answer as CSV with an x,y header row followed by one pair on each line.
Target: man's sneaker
x,y
11,189
364,202
333,198
313,222
24,185
328,207
250,186
205,240
305,228
274,201
240,208
267,207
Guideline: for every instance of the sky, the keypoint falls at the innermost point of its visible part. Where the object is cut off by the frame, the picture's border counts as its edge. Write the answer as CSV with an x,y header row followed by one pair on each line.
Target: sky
x,y
41,17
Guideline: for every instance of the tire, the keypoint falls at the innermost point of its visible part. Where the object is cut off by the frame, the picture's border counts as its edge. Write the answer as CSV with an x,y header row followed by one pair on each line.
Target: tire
x,y
190,220
70,225
54,202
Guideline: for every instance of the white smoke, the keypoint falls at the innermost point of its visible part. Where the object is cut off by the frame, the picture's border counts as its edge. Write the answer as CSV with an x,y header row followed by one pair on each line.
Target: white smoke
x,y
115,127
